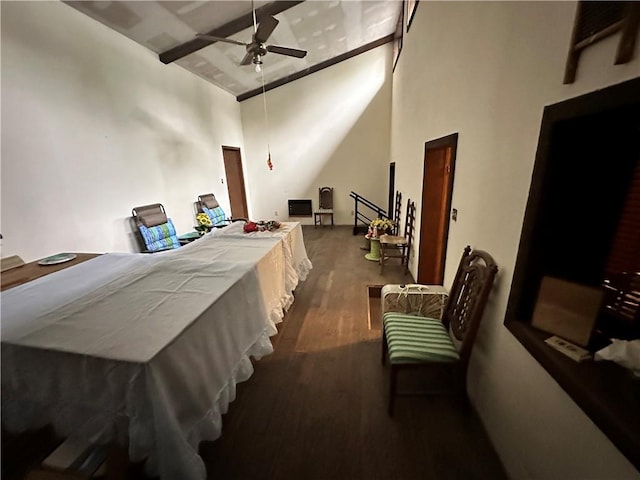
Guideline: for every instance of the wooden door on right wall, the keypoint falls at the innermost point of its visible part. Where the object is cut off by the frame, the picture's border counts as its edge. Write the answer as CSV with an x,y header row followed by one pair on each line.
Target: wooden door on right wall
x,y
437,189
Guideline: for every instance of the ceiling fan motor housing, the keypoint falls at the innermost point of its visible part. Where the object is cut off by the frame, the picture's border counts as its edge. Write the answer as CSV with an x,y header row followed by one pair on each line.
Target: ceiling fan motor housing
x,y
257,48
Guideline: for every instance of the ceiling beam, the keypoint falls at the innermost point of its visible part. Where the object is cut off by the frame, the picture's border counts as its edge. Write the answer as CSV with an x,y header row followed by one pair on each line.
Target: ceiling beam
x,y
226,30
317,67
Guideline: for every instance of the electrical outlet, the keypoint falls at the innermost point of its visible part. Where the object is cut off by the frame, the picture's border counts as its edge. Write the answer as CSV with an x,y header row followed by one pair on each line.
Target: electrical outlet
x,y
454,214
275,213
352,213
222,181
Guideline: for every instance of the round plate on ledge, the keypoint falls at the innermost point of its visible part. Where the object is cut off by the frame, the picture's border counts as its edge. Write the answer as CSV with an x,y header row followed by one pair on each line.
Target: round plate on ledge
x,y
58,258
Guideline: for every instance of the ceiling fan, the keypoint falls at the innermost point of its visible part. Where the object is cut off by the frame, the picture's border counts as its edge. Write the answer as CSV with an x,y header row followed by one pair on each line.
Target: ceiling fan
x,y
257,49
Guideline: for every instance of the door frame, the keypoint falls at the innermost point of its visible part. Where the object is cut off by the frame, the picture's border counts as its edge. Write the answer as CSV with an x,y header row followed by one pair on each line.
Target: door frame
x,y
242,192
448,141
392,188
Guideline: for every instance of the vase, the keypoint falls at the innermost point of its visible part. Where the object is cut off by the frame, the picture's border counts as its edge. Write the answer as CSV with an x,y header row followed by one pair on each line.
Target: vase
x,y
374,252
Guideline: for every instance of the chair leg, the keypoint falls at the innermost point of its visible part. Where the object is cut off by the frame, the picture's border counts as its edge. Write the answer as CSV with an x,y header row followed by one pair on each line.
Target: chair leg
x,y
117,462
385,347
460,381
392,389
405,259
381,261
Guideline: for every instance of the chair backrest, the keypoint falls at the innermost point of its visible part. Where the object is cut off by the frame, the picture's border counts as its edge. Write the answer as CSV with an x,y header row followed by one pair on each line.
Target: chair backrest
x,y
149,215
207,200
325,199
156,230
396,212
208,204
468,298
622,302
409,221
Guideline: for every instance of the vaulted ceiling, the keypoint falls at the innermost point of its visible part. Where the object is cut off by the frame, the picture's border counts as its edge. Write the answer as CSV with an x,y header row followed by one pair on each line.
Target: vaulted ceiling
x,y
329,30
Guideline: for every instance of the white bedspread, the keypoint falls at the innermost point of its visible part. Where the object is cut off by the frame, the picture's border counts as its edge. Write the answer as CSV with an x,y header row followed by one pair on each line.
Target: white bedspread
x,y
147,347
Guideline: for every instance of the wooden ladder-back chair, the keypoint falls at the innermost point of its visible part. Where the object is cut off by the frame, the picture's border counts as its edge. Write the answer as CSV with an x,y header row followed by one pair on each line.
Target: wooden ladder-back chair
x,y
621,305
156,231
396,213
413,341
399,246
325,205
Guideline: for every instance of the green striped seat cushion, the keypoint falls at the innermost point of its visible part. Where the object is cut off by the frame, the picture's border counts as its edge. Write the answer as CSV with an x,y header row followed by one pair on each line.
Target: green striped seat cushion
x,y
414,339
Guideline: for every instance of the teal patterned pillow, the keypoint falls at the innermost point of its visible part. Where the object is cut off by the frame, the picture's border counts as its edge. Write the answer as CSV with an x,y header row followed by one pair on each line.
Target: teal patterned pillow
x,y
216,215
160,237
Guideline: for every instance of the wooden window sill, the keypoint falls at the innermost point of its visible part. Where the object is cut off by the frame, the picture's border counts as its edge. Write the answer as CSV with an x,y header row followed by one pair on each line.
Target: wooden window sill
x,y
606,392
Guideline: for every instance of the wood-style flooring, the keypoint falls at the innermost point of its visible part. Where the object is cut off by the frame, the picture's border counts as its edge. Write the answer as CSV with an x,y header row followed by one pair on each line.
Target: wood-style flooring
x,y
316,407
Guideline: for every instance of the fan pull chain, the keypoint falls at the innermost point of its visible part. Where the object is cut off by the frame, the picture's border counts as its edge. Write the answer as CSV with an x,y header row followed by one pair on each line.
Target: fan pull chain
x,y
266,121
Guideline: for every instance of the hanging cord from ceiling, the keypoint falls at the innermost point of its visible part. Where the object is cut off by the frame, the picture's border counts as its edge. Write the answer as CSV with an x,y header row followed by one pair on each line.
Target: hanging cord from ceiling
x,y
266,122
264,95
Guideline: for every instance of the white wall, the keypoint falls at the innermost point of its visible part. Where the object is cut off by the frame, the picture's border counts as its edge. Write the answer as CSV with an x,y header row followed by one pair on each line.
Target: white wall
x,y
331,128
94,124
486,70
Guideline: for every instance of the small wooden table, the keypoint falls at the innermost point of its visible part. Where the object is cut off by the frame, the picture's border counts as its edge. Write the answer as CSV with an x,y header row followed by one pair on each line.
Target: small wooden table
x,y
31,271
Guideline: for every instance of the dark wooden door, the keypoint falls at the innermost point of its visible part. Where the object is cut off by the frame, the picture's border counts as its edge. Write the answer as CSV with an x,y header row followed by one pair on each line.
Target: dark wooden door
x,y
235,181
437,187
392,189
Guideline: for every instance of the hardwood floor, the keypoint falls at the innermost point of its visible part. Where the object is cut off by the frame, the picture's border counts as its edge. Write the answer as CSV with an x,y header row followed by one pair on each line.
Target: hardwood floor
x,y
316,407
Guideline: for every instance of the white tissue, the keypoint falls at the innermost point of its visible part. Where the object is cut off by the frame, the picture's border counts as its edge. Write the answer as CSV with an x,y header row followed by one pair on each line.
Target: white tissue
x,y
624,352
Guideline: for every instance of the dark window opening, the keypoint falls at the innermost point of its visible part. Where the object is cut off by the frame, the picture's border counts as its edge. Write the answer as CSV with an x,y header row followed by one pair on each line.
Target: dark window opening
x,y
581,225
595,17
596,20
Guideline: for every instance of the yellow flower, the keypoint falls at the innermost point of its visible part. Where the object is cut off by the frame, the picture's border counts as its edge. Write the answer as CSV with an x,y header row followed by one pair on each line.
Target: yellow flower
x,y
382,224
203,219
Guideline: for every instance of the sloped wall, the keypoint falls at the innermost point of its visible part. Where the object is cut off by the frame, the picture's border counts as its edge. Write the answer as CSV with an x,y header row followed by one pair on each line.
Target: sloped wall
x,y
331,128
486,70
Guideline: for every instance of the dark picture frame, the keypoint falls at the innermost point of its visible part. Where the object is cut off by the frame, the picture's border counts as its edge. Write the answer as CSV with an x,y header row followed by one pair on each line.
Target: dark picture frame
x,y
397,39
412,6
596,21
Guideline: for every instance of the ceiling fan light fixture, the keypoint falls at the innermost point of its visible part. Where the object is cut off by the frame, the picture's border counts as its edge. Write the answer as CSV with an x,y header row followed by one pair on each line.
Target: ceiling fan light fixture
x,y
257,61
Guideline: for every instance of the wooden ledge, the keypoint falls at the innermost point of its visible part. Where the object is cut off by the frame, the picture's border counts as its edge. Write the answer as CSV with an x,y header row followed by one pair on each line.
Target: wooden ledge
x,y
608,393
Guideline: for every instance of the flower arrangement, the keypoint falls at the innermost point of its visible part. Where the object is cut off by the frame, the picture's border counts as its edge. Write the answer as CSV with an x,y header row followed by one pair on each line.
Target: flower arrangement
x,y
261,226
203,219
380,226
204,223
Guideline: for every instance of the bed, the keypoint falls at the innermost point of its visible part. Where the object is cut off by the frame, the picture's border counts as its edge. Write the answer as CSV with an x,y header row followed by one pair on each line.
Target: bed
x,y
147,348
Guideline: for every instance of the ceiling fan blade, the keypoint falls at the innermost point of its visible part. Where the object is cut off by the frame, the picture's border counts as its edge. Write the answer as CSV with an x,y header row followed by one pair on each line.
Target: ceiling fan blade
x,y
265,27
248,58
220,39
292,52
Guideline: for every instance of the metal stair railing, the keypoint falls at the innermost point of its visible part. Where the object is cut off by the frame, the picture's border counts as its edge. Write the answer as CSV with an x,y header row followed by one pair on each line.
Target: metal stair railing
x,y
369,207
